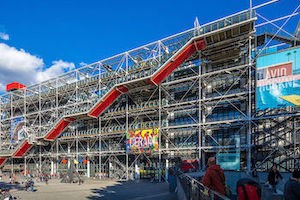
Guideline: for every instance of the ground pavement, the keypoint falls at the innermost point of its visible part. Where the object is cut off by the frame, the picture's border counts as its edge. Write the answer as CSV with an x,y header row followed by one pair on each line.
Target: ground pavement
x,y
94,189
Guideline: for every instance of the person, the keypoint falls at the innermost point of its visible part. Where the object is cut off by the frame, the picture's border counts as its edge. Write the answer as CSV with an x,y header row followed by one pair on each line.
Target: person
x,y
27,185
31,185
273,177
292,186
214,177
46,179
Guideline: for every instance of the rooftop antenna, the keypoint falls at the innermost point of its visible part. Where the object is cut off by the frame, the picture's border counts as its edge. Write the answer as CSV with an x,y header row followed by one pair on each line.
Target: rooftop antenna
x,y
196,27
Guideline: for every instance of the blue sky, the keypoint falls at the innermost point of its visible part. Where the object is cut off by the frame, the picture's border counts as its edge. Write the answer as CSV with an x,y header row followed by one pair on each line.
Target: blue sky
x,y
68,32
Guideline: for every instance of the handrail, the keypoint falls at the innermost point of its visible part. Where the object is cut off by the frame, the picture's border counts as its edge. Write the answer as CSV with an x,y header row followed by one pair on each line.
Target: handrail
x,y
202,192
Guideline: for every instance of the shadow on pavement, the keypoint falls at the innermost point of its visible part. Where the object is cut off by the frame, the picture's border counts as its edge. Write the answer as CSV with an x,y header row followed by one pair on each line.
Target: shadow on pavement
x,y
134,190
4,185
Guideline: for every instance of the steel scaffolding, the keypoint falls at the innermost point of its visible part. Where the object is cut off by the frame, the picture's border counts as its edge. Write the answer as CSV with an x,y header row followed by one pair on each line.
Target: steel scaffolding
x,y
196,87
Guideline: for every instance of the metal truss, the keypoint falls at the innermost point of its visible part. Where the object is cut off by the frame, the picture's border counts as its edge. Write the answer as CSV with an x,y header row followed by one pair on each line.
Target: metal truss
x,y
204,106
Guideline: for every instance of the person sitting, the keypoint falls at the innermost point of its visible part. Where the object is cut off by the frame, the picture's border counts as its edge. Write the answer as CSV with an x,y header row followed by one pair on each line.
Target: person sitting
x,y
292,186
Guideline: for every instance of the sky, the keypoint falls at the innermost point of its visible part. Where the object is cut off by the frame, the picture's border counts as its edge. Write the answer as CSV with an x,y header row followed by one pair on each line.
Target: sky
x,y
42,39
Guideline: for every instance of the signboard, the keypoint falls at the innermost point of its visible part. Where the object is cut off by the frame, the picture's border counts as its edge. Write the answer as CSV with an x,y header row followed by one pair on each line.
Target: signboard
x,y
17,132
142,141
278,80
229,161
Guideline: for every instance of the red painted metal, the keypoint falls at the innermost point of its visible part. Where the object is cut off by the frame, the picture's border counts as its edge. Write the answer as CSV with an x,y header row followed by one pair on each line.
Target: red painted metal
x,y
107,101
2,161
200,44
122,89
14,86
24,148
178,60
56,131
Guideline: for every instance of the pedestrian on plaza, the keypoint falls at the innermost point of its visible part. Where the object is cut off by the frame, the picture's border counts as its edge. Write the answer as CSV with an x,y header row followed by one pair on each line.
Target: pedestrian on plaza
x,y
274,177
31,185
46,179
27,185
214,177
292,186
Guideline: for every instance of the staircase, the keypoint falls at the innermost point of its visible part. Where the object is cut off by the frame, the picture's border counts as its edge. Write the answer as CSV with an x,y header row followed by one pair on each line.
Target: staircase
x,y
272,146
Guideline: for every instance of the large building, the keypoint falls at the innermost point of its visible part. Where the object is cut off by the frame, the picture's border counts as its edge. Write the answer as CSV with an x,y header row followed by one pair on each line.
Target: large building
x,y
216,89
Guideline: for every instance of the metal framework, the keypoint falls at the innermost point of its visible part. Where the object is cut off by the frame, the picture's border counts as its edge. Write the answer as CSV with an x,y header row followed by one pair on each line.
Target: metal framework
x,y
197,87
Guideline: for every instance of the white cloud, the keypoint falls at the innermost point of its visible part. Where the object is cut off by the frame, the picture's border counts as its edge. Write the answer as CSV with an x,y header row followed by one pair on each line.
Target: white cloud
x,y
58,67
4,36
21,66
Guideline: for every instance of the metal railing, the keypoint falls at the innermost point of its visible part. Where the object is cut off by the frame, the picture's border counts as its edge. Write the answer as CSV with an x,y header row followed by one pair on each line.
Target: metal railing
x,y
194,190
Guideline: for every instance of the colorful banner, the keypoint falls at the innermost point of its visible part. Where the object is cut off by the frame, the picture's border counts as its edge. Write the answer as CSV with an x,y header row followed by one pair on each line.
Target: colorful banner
x,y
17,132
142,141
278,79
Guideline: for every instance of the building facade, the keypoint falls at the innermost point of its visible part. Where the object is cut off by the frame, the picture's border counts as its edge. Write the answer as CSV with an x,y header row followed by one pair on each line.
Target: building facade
x,y
211,90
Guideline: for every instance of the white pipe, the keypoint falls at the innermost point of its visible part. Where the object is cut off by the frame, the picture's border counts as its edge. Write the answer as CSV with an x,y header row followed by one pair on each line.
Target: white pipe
x,y
265,4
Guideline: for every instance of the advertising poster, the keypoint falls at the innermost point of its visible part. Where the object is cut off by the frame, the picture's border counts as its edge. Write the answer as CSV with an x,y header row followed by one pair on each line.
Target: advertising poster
x,y
17,130
278,80
142,141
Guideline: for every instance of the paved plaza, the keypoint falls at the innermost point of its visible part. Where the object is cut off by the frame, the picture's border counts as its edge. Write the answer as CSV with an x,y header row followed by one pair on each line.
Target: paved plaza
x,y
93,189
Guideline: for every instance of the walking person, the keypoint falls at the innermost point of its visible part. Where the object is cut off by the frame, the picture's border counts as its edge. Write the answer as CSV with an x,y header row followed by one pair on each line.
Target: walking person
x,y
27,185
214,177
292,186
274,177
46,179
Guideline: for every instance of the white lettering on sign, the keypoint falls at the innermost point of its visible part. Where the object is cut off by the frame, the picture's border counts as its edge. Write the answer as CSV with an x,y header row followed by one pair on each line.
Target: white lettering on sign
x,y
277,72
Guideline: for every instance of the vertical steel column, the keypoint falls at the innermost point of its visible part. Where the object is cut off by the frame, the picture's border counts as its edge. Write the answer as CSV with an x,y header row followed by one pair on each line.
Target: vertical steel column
x,y
76,146
100,147
294,143
159,131
56,98
25,166
69,152
167,170
100,127
11,105
249,105
88,170
40,159
40,109
200,114
52,167
25,118
56,155
127,121
76,88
